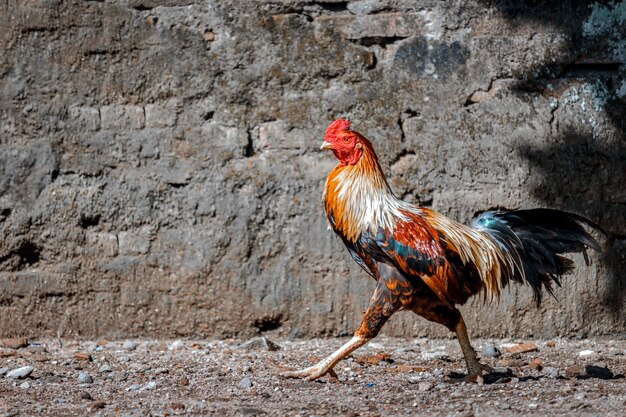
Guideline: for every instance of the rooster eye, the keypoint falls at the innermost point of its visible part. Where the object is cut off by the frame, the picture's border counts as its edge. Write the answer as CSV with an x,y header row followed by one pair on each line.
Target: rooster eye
x,y
346,140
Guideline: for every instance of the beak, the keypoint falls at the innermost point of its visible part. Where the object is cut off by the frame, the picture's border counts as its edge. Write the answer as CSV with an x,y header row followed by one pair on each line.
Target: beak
x,y
326,145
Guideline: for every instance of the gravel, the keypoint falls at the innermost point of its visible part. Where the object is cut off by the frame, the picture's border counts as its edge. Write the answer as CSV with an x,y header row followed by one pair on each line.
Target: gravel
x,y
217,378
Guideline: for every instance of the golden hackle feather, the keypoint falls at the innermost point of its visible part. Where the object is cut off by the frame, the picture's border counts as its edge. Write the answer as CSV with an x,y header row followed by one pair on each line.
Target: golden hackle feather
x,y
359,199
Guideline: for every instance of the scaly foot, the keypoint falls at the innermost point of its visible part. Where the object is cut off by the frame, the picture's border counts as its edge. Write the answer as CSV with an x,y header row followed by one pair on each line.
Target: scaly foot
x,y
475,374
311,373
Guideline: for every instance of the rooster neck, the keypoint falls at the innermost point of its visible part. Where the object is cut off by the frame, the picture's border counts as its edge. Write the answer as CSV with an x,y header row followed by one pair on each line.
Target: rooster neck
x,y
358,199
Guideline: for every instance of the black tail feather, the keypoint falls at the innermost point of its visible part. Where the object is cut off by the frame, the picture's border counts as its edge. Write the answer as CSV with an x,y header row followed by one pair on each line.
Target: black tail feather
x,y
536,239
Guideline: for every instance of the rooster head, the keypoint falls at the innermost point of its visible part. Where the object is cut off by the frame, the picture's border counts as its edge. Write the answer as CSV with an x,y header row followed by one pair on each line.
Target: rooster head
x,y
346,144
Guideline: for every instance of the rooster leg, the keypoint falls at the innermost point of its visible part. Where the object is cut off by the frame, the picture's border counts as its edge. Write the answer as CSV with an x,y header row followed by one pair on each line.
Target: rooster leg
x,y
326,365
475,369
382,305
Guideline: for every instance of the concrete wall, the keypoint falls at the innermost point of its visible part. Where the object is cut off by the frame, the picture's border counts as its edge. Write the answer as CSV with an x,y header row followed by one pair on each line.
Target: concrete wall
x,y
159,171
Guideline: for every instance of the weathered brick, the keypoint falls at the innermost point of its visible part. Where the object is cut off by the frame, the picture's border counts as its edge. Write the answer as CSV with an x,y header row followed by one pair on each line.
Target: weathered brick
x,y
278,135
122,117
135,242
158,115
84,118
379,25
105,243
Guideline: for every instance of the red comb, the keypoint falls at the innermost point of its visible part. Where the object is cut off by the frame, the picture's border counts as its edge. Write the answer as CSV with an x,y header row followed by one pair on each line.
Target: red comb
x,y
336,127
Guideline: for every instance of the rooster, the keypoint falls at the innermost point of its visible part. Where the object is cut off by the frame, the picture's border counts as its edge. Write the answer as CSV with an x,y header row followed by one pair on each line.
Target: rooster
x,y
423,261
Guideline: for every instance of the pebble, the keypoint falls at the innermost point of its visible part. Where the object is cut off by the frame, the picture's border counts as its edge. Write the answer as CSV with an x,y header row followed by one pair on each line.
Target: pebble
x,y
85,395
97,405
245,383
176,345
536,365
586,353
551,372
133,387
3,371
25,385
260,343
522,348
19,373
105,368
438,372
489,350
505,406
600,372
573,371
84,378
130,345
502,370
425,386
82,356
151,385
14,342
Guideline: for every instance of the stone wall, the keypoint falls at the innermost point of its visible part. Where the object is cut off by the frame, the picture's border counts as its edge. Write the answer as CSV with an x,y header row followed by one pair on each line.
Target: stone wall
x,y
159,171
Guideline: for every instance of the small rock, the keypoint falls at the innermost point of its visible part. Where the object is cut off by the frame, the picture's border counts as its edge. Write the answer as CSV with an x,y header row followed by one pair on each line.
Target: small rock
x,y
580,396
502,370
178,406
425,386
551,372
176,345
505,406
364,7
133,387
583,353
3,371
130,345
438,372
85,395
38,357
440,386
533,405
25,385
84,378
161,371
82,356
20,373
96,405
14,342
489,350
184,381
536,365
259,343
151,385
245,383
514,380
600,372
522,348
574,371
105,368
551,343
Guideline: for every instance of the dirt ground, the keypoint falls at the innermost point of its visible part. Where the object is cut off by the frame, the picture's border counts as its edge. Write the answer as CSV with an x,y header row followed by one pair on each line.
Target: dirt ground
x,y
387,377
